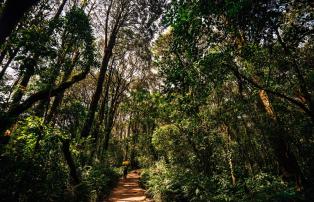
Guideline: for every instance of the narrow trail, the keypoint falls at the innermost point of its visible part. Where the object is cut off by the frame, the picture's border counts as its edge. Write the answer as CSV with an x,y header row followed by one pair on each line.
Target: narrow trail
x,y
128,190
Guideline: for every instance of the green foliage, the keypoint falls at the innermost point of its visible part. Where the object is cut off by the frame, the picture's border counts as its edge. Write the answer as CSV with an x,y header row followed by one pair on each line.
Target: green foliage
x,y
40,172
100,179
266,187
166,137
79,35
97,181
166,183
228,116
34,156
260,187
215,58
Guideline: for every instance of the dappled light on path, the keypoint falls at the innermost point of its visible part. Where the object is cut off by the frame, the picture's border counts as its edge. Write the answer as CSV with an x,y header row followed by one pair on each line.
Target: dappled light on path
x,y
128,190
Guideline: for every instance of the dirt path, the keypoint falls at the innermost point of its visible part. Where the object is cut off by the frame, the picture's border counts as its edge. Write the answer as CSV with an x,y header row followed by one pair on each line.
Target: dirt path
x,y
128,190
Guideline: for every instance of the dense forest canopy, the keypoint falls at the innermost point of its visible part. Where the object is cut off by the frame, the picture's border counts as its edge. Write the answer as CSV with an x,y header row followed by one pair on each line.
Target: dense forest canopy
x,y
212,99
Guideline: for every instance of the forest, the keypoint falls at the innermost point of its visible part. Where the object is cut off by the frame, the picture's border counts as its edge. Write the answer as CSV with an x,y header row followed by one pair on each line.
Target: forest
x,y
210,100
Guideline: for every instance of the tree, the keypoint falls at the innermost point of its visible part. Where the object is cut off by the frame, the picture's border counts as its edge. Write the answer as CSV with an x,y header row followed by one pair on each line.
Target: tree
x,y
119,15
81,38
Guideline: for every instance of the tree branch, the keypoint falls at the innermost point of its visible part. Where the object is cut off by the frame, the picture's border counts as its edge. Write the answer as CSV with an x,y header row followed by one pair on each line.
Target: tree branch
x,y
278,94
20,108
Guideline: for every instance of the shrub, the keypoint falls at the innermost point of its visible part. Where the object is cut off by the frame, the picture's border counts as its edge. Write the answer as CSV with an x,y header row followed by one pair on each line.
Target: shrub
x,y
266,187
172,183
32,168
100,179
167,183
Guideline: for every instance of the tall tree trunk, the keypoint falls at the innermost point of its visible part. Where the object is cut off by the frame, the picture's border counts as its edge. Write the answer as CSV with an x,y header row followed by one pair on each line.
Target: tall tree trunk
x,y
100,82
60,9
109,45
109,124
108,132
102,117
229,155
103,107
115,101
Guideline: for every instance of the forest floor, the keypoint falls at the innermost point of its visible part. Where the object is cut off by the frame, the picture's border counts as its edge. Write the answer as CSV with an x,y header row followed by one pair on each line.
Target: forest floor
x,y
128,190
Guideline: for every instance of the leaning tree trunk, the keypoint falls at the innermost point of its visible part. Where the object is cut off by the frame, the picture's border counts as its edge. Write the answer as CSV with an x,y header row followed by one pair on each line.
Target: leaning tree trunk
x,y
12,13
103,69
10,59
100,82
70,162
29,72
288,164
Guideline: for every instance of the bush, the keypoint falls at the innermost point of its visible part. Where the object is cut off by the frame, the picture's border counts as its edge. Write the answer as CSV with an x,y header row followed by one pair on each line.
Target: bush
x,y
167,183
32,168
97,181
266,187
172,183
100,179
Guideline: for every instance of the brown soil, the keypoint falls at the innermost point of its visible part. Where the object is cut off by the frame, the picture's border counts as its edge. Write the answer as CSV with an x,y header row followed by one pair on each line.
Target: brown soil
x,y
128,190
